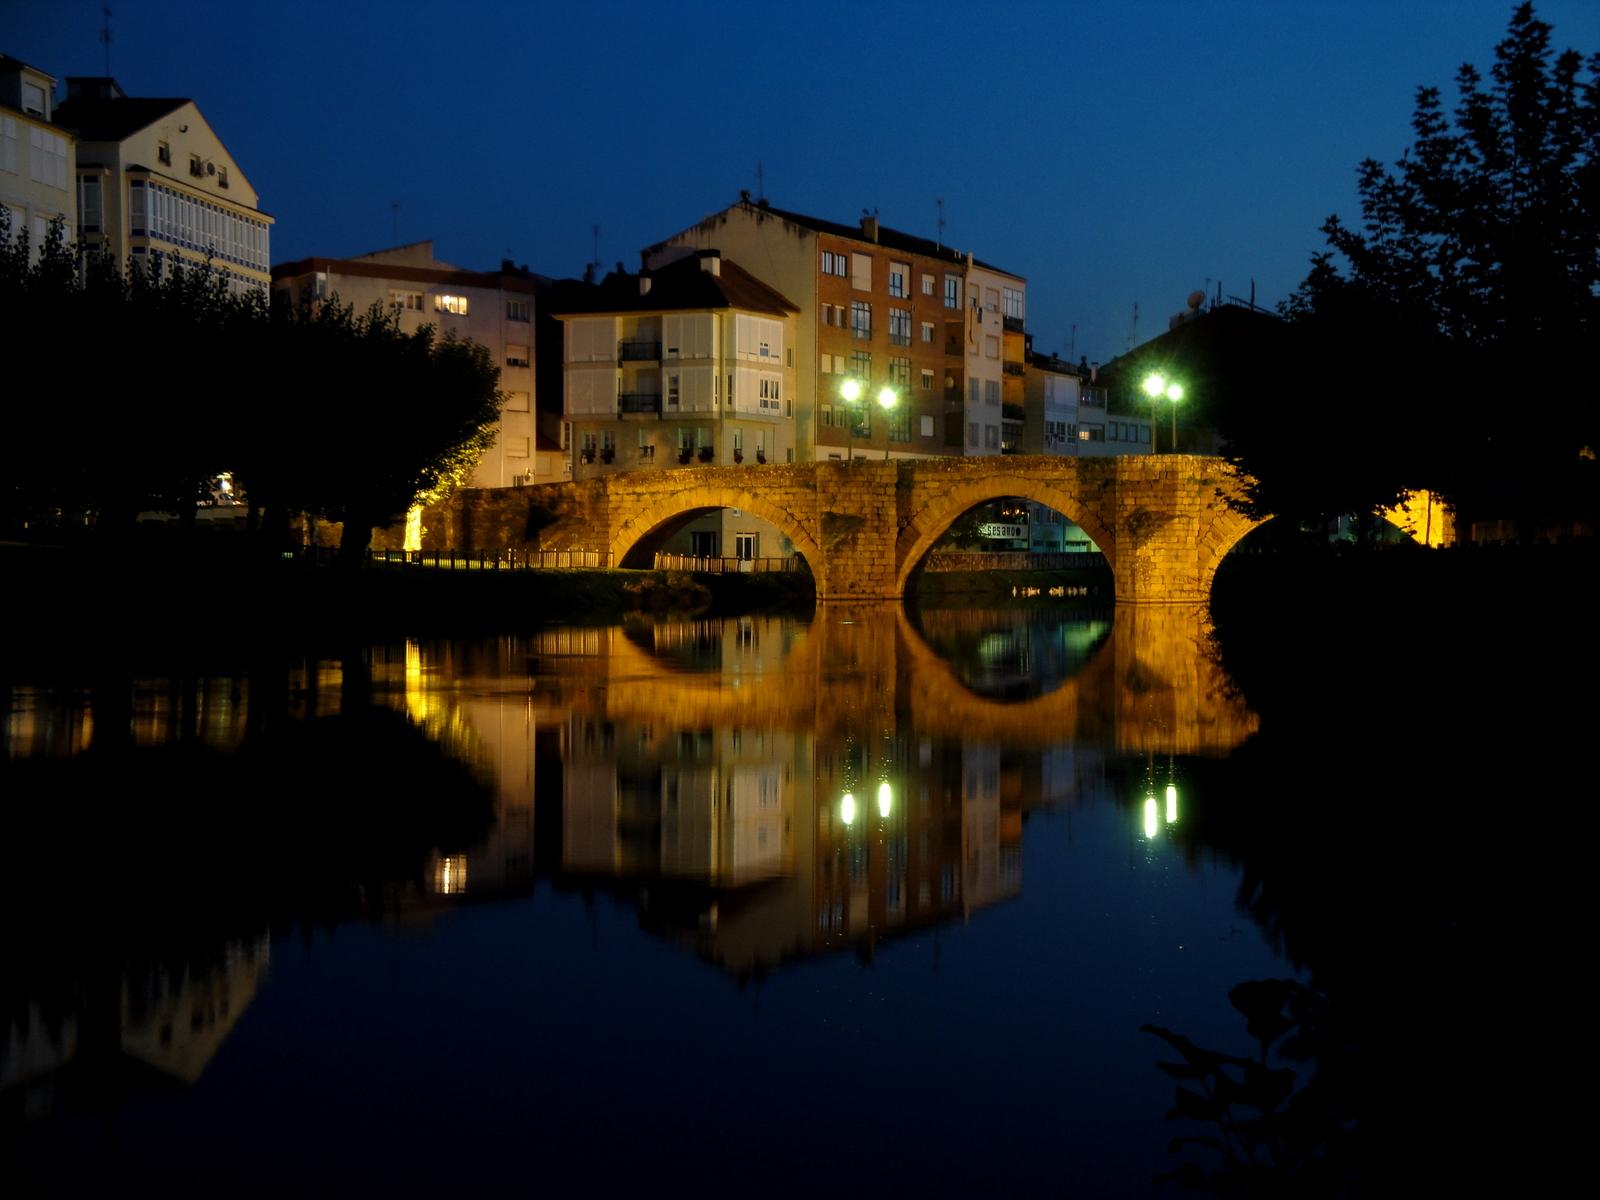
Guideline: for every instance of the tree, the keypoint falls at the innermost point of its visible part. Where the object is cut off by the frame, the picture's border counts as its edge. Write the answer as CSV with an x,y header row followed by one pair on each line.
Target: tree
x,y
1466,303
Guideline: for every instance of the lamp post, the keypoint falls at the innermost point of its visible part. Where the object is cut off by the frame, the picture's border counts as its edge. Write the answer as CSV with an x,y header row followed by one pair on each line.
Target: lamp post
x,y
887,399
1157,385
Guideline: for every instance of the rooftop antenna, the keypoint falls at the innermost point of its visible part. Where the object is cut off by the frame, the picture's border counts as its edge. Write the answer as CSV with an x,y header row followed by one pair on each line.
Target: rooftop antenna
x,y
105,36
394,209
1133,330
940,205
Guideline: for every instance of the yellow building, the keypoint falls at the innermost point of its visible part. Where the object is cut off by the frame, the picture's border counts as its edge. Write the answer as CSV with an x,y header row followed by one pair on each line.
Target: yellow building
x,y
493,308
36,157
153,178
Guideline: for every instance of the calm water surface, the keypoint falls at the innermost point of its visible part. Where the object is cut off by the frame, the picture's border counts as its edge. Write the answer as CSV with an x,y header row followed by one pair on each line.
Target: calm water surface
x,y
873,901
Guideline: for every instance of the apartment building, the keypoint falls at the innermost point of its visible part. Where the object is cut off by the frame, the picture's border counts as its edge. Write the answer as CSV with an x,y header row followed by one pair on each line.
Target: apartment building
x,y
1065,412
878,308
36,156
152,177
493,308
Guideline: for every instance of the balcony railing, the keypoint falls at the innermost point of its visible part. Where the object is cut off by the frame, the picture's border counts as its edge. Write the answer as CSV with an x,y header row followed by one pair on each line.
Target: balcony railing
x,y
954,349
1012,368
639,402
1013,324
638,351
1013,412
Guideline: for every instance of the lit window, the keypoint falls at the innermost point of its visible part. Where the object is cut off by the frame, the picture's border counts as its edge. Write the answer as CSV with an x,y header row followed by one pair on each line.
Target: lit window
x,y
456,305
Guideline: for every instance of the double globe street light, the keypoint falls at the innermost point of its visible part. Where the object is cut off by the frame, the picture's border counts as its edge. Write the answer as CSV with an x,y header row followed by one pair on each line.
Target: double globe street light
x,y
851,392
1156,386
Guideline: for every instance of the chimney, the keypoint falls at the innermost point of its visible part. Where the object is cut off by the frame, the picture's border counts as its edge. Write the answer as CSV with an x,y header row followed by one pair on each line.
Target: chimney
x,y
869,226
644,284
710,261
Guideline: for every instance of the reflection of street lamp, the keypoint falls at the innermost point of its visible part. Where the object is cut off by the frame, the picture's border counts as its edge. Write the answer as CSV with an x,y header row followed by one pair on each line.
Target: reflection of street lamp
x,y
847,809
885,800
1157,385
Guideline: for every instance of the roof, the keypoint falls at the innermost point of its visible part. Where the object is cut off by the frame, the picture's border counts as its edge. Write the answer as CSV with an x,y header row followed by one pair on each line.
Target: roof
x,y
680,285
891,239
97,120
7,63
444,275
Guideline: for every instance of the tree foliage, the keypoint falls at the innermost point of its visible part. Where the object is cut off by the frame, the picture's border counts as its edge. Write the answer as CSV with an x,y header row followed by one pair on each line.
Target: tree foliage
x,y
152,381
1454,327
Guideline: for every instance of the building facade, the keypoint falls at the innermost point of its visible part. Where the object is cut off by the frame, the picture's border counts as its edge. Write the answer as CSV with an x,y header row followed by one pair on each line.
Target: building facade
x,y
493,308
877,308
152,178
36,156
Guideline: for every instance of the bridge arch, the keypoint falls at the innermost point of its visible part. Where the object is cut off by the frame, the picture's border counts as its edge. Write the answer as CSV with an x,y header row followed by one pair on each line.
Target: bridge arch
x,y
923,529
654,515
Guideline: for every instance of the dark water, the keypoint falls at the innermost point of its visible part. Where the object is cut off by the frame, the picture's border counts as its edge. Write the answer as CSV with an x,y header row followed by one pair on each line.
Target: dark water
x,y
878,901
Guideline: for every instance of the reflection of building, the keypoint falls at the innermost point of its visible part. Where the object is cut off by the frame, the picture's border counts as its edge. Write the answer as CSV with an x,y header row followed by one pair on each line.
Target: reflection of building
x,y
153,178
493,308
171,1018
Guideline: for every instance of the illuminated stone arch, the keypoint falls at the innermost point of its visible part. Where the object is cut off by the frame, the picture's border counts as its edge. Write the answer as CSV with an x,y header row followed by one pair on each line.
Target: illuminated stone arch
x,y
922,531
652,513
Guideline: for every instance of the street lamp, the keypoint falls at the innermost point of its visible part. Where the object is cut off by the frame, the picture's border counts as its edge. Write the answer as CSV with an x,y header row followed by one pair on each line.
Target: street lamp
x,y
887,399
1157,385
850,393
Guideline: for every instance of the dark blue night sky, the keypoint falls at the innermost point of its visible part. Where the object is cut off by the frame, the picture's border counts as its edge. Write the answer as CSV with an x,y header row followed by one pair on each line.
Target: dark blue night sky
x,y
1112,153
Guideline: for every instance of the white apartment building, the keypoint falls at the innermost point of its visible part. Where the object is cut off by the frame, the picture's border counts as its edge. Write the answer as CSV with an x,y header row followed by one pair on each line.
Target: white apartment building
x,y
36,157
493,308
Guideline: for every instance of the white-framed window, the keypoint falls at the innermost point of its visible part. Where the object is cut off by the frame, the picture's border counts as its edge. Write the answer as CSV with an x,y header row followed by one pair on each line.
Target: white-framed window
x,y
518,310
455,305
33,99
991,346
411,301
952,291
991,391
835,264
89,204
929,284
517,356
927,331
991,437
900,327
900,279
47,158
1012,301
927,380
991,299
972,434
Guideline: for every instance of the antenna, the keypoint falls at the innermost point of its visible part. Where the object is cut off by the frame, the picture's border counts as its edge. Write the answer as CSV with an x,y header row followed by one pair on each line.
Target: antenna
x,y
394,209
105,36
939,203
1133,330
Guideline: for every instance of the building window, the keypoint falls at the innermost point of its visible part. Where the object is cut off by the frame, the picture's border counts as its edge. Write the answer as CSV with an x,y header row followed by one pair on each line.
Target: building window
x,y
991,299
516,356
517,310
1091,433
861,320
900,423
1144,434
900,373
47,158
900,327
991,437
861,366
456,305
222,176
517,447
927,426
927,380
952,291
33,99
1013,302
861,271
674,390
411,301
927,331
928,285
835,264
517,402
899,279
972,434
991,347
826,412
164,153
991,391
89,204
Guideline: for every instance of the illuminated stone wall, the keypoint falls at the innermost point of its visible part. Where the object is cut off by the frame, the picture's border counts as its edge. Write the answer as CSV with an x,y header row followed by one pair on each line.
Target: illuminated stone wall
x,y
1162,521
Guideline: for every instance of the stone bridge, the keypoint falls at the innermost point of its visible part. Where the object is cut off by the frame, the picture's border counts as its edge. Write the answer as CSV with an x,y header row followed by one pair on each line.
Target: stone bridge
x,y
864,527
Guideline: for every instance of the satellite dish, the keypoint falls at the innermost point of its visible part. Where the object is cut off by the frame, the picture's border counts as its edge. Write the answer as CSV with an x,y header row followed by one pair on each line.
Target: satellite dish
x,y
1196,299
